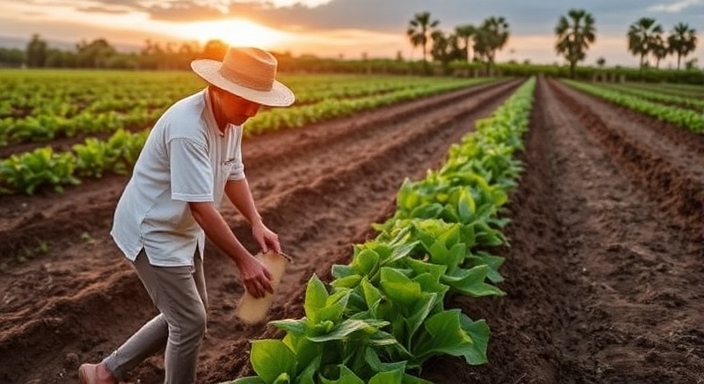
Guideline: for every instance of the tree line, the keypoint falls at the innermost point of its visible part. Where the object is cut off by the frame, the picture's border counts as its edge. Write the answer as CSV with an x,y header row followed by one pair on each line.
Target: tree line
x,y
575,32
100,54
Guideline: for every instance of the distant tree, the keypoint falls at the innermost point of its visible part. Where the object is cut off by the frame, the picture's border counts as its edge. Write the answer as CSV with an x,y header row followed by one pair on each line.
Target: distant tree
x,y
691,64
575,32
96,54
36,52
490,37
214,50
465,33
57,58
189,48
419,30
660,49
682,41
642,38
12,57
601,62
446,48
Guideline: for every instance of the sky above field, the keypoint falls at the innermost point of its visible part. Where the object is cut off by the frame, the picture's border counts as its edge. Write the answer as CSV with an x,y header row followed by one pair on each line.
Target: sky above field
x,y
340,28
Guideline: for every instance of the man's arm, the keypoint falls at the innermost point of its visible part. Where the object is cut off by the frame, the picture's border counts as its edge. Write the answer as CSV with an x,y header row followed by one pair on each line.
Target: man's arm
x,y
241,197
255,277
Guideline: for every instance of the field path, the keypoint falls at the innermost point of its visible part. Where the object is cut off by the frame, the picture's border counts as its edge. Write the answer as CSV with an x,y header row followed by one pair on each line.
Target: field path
x,y
603,274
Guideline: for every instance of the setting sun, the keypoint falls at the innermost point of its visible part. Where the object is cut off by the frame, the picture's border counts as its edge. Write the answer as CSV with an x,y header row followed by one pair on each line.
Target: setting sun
x,y
233,32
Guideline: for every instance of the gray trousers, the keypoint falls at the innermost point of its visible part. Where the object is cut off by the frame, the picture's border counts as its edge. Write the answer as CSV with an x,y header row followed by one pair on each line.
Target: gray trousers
x,y
179,294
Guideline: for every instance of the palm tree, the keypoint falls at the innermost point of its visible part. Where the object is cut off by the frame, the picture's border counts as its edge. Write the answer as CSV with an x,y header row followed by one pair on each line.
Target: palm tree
x,y
419,30
660,49
574,35
642,38
491,37
465,33
682,41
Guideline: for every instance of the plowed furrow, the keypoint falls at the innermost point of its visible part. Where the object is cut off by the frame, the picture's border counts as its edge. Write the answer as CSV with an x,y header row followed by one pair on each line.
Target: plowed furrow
x,y
317,215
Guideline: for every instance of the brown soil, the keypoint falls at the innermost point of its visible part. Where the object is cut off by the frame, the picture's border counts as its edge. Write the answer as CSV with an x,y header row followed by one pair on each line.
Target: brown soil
x,y
601,274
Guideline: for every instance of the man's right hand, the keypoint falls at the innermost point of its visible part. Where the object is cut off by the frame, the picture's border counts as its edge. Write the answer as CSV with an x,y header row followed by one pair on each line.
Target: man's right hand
x,y
255,277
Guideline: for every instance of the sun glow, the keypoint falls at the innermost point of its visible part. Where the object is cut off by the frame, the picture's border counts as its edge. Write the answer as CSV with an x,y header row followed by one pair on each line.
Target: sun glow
x,y
234,32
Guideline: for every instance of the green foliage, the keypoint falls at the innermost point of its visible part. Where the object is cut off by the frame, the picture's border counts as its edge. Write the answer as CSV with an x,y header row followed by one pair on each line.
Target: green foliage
x,y
47,105
31,170
685,118
384,313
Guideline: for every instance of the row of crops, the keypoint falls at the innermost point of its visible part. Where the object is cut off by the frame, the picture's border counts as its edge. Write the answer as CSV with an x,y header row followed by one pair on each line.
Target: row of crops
x,y
679,105
108,115
383,316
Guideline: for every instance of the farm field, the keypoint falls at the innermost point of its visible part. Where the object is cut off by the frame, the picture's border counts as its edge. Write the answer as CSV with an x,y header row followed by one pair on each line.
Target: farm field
x,y
602,276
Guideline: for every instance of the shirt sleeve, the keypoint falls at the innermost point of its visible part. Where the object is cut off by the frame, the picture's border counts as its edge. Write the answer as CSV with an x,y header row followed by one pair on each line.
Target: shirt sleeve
x,y
191,172
237,172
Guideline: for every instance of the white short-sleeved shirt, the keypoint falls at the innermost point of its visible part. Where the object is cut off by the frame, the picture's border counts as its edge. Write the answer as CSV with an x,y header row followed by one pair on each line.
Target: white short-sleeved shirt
x,y
186,158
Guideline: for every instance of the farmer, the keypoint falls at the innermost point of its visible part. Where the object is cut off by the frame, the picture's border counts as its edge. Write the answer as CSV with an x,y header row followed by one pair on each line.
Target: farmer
x,y
192,157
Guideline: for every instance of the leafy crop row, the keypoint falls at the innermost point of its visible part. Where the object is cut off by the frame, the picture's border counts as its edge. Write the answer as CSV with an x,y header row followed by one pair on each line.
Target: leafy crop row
x,y
658,96
684,118
383,316
50,105
26,172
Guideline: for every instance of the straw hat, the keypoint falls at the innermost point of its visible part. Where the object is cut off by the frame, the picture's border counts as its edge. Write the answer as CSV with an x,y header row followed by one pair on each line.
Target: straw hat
x,y
247,72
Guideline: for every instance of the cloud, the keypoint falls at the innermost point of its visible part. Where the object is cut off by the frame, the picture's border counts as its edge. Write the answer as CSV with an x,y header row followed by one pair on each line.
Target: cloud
x,y
183,10
369,23
524,17
99,9
676,7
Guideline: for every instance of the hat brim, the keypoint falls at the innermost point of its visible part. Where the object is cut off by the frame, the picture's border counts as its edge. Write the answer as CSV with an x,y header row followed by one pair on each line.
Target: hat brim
x,y
209,70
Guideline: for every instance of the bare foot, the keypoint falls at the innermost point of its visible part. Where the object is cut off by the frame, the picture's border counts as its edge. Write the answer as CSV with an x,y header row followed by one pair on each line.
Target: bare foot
x,y
95,374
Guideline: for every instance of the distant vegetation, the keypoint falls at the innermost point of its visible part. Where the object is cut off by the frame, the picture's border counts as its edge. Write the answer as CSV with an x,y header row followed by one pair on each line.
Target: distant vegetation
x,y
575,32
466,50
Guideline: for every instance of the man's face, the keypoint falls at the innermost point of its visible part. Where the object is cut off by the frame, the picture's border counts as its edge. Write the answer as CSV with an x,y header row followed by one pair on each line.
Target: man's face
x,y
234,109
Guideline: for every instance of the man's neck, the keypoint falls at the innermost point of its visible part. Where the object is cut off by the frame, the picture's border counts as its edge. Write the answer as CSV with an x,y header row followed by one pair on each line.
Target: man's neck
x,y
214,106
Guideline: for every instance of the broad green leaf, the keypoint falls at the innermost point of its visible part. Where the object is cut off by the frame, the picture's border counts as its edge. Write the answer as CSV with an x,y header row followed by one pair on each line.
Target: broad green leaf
x,y
399,252
272,358
350,281
295,327
335,306
398,287
443,335
471,282
479,333
494,263
343,330
372,295
466,207
316,298
341,271
366,262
